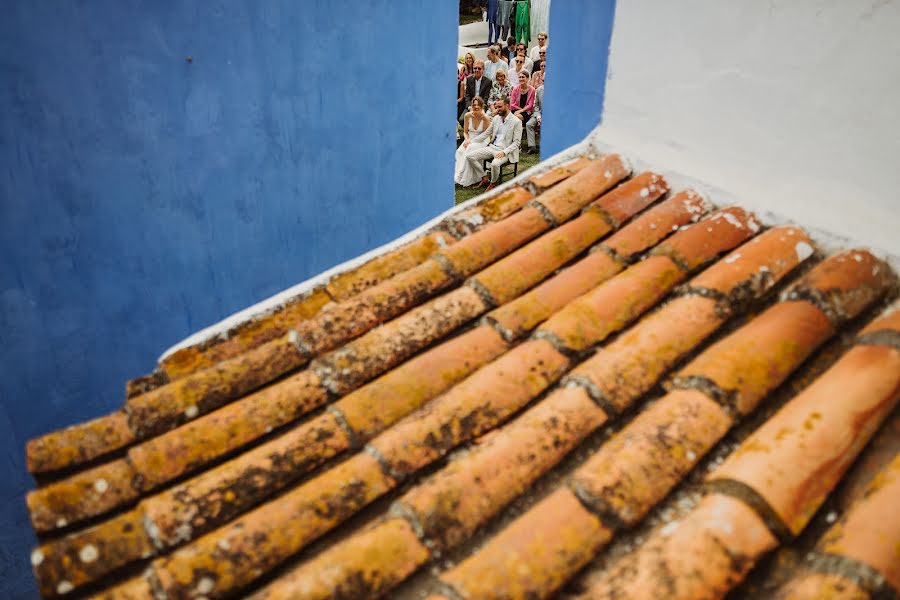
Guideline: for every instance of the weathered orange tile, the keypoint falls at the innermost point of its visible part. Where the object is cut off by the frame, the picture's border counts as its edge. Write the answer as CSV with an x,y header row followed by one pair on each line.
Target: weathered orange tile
x,y
633,363
639,465
717,233
877,455
136,588
357,362
244,337
566,199
887,322
459,498
657,223
79,443
231,557
351,318
371,273
145,383
589,319
630,198
211,498
473,253
754,266
470,220
186,398
473,406
184,512
196,444
73,561
177,452
870,531
795,459
560,172
527,311
845,283
511,276
381,403
85,494
378,558
701,556
809,585
516,273
535,555
768,349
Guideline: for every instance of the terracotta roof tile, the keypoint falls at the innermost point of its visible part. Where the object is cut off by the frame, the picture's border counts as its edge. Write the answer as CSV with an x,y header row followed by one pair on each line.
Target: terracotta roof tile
x,y
867,537
796,458
502,467
769,488
635,469
209,387
184,449
218,475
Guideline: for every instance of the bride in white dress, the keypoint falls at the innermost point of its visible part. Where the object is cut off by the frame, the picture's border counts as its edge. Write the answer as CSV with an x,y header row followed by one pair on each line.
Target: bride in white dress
x,y
476,121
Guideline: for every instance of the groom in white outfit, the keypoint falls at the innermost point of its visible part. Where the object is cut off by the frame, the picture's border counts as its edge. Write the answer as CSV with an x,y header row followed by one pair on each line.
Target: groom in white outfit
x,y
505,135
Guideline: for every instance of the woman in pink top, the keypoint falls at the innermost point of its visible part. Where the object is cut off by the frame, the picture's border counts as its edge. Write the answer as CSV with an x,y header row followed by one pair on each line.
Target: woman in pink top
x,y
522,99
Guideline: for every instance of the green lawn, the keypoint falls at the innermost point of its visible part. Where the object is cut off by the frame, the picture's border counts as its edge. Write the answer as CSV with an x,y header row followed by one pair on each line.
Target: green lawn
x,y
526,161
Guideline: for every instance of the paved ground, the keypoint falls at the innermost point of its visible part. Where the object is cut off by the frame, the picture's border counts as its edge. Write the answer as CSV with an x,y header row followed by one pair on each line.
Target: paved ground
x,y
473,33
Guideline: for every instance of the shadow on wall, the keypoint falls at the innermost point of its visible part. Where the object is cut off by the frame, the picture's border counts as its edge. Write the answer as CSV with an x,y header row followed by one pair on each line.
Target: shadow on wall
x,y
145,195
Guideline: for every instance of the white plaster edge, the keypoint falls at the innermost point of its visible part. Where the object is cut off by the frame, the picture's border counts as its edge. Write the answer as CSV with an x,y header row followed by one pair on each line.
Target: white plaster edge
x,y
276,301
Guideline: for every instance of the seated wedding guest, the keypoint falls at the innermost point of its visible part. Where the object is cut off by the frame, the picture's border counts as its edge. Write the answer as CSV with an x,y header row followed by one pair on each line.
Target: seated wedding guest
x,y
522,99
518,67
501,88
534,122
537,78
468,67
542,56
521,51
476,85
543,40
510,51
493,62
503,136
475,123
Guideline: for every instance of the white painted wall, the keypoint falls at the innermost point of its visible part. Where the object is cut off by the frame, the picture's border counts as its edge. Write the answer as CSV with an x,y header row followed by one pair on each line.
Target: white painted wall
x,y
792,106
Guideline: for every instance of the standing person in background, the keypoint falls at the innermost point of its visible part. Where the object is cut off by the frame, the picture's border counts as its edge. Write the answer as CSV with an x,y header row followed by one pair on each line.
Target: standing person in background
x,y
523,23
510,51
522,99
543,40
506,17
534,122
493,19
501,88
476,85
493,62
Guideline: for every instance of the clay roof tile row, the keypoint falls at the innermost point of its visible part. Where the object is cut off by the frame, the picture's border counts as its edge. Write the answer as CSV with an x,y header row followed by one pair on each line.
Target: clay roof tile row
x,y
518,328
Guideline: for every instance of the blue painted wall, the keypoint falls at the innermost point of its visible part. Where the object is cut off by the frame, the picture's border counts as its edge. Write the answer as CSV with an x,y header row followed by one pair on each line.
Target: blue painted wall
x,y
580,33
143,196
